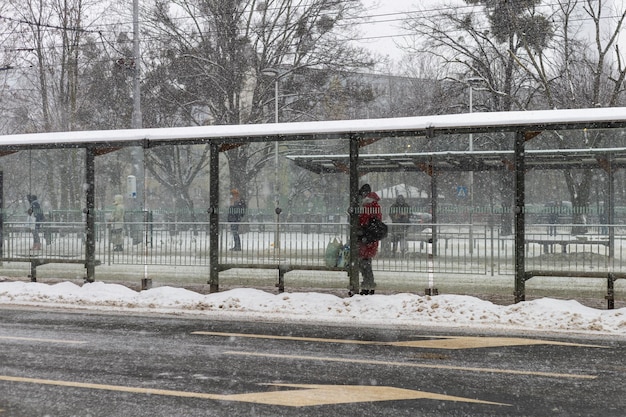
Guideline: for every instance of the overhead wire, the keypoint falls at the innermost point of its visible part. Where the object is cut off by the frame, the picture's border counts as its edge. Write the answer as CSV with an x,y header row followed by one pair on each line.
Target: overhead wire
x,y
388,18
379,18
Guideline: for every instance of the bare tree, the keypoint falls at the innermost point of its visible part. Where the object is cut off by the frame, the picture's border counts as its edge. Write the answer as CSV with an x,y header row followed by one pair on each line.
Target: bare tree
x,y
51,35
482,42
212,57
582,68
529,59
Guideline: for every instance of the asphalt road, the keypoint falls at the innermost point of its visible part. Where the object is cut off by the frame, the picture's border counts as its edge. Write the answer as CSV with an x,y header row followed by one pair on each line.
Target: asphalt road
x,y
56,363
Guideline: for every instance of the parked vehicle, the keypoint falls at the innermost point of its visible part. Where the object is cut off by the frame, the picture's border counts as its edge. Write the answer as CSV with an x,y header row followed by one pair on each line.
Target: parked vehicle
x,y
420,221
421,218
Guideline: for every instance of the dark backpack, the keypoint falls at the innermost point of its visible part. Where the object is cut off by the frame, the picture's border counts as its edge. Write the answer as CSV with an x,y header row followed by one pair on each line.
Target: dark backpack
x,y
375,230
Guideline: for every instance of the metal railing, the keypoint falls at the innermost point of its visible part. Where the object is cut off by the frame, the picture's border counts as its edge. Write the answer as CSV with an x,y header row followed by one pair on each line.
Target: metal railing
x,y
61,240
454,251
554,248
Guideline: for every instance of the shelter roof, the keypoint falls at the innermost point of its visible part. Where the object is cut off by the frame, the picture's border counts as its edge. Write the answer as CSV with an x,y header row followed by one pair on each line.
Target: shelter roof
x,y
528,121
467,161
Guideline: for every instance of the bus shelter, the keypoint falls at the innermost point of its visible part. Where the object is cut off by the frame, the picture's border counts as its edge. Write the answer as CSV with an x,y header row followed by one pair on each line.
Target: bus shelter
x,y
519,162
357,134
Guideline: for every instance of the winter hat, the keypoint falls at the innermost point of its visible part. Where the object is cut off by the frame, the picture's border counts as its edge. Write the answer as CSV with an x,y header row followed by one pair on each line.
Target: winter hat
x,y
365,190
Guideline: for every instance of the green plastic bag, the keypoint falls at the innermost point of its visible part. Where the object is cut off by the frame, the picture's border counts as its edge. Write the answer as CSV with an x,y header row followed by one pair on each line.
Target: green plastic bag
x,y
344,257
332,253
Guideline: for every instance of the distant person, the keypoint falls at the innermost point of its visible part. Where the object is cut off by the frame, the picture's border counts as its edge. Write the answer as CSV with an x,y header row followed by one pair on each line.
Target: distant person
x,y
604,222
553,217
367,250
236,211
35,211
117,223
399,213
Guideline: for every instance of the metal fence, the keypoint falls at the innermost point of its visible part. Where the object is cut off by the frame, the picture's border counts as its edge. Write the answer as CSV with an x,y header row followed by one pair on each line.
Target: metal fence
x,y
457,248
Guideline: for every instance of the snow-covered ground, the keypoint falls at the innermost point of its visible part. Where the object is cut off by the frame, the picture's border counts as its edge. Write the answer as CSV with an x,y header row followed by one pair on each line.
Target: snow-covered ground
x,y
377,310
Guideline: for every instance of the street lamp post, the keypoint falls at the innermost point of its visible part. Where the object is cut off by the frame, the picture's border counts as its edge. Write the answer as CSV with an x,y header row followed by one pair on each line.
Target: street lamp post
x,y
136,115
276,74
138,200
276,80
470,81
273,72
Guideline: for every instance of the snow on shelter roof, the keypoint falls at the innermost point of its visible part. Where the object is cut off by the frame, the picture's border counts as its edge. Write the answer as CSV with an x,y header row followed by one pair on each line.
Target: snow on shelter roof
x,y
597,118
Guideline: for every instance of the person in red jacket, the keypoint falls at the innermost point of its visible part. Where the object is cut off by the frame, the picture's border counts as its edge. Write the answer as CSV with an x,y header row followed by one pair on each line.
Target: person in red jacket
x,y
369,209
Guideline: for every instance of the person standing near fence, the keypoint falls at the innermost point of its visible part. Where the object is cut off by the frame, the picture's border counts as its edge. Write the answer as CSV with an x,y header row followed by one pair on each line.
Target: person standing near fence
x,y
236,211
603,219
553,217
35,211
399,213
367,250
117,223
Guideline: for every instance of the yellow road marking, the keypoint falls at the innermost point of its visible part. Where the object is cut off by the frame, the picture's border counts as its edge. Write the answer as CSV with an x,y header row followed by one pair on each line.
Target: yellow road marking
x,y
34,339
413,365
311,395
433,342
303,396
473,342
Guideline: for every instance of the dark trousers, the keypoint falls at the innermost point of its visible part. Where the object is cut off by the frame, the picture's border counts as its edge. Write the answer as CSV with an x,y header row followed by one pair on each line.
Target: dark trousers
x,y
234,228
36,233
365,266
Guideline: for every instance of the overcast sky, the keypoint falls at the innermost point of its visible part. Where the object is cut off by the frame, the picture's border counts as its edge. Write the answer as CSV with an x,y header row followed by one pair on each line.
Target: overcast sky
x,y
384,31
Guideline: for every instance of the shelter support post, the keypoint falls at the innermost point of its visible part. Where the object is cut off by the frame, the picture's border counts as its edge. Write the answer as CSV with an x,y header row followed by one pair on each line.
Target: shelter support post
x,y
213,217
90,219
432,290
434,206
609,209
282,270
33,270
610,291
353,212
520,268
1,216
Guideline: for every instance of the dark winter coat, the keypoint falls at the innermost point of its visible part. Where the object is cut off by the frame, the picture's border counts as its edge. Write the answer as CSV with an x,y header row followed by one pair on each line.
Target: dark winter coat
x,y
35,209
237,210
399,213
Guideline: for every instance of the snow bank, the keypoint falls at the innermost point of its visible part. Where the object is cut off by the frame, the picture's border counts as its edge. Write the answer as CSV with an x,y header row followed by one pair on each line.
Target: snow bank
x,y
384,310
